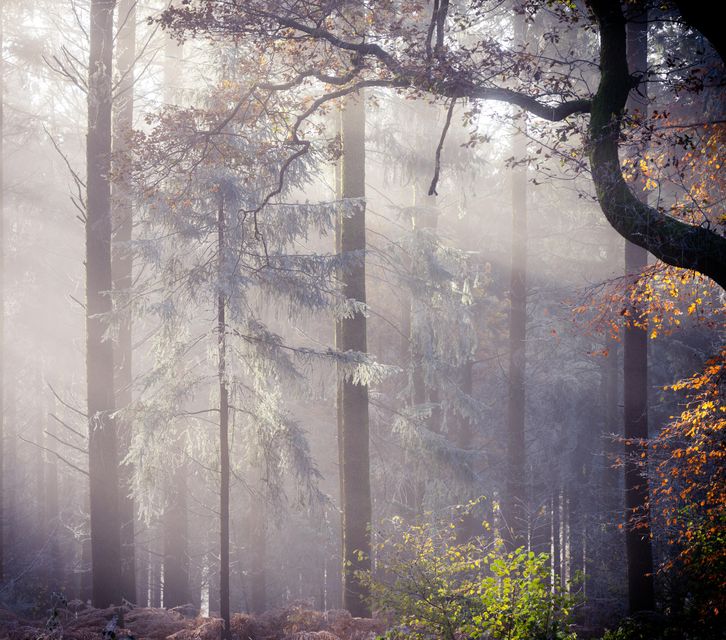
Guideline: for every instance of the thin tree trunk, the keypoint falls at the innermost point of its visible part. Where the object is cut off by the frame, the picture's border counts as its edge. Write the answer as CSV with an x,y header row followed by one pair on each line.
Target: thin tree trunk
x,y
257,523
122,214
425,218
155,577
515,501
39,469
176,555
52,513
103,455
353,439
223,436
10,467
86,578
2,302
142,573
556,539
635,382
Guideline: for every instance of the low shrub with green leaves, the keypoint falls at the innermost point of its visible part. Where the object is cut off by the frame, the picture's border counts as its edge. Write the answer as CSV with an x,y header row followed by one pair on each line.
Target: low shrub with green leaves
x,y
436,587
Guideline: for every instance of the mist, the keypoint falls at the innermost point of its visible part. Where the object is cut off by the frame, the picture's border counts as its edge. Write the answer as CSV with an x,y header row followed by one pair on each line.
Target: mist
x,y
348,320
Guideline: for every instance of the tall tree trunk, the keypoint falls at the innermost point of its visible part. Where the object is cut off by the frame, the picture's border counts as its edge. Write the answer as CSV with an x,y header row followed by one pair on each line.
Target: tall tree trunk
x,y
425,220
155,567
122,267
257,524
52,513
176,557
2,300
39,469
635,381
556,538
223,434
10,465
103,455
143,558
353,439
515,499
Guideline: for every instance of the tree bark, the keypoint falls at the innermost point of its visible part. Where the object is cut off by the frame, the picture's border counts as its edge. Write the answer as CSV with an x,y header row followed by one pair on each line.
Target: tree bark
x,y
668,239
223,434
122,267
52,513
2,300
258,550
635,382
103,455
353,438
176,554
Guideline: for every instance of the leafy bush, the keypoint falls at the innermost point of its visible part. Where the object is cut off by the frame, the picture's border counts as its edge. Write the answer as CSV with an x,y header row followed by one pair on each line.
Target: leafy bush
x,y
435,587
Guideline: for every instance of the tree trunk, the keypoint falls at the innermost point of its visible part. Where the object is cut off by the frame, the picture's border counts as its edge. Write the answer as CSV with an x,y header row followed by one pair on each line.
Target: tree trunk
x,y
257,522
353,439
635,381
223,435
556,539
515,499
52,513
673,241
10,465
38,421
142,572
122,214
103,455
425,220
2,303
176,555
155,577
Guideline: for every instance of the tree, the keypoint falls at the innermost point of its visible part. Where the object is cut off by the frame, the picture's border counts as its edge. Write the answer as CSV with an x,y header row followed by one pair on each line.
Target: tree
x,y
417,53
102,441
635,386
2,301
350,335
122,273
218,246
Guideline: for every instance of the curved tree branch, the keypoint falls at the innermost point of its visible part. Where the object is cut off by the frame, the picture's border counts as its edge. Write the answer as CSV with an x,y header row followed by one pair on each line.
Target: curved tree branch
x,y
668,239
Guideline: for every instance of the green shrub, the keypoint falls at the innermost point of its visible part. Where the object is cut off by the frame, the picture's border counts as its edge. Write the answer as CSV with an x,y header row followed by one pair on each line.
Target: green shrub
x,y
435,587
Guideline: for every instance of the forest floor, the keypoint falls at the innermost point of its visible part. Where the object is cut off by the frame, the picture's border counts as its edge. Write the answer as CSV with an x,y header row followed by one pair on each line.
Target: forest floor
x,y
77,621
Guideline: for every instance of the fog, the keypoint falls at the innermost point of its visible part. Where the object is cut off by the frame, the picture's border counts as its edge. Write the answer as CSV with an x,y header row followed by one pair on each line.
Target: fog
x,y
287,322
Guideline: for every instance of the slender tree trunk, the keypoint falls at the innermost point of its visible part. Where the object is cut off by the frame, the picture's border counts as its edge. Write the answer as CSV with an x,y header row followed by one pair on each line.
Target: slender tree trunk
x,y
142,572
425,220
176,557
556,539
122,267
468,524
86,578
635,381
40,467
9,484
257,522
353,439
155,577
103,455
223,435
52,513
515,500
612,498
2,301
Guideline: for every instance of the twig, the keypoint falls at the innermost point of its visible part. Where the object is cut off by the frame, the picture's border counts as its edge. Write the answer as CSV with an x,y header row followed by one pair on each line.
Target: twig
x,y
437,168
65,404
64,443
56,454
